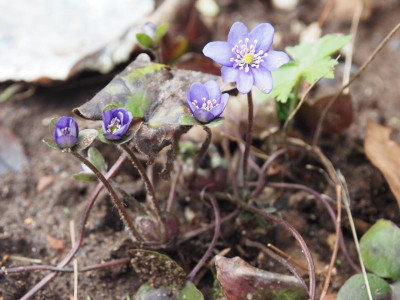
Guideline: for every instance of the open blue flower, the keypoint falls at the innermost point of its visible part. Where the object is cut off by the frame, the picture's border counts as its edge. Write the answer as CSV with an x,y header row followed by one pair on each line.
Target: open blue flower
x,y
246,58
116,123
205,101
66,132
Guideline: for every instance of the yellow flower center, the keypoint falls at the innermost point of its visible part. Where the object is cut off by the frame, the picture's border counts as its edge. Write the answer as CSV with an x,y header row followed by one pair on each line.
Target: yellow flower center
x,y
248,58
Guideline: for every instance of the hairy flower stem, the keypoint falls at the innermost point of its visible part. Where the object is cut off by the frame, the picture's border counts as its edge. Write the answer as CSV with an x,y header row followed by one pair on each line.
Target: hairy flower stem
x,y
151,199
117,202
206,255
248,139
200,154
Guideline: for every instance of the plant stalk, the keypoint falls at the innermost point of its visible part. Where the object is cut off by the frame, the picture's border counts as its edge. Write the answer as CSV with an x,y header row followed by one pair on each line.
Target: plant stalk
x,y
248,138
117,202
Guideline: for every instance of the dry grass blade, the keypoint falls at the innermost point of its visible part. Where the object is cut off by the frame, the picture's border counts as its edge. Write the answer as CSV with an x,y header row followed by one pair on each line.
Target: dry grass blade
x,y
346,200
75,261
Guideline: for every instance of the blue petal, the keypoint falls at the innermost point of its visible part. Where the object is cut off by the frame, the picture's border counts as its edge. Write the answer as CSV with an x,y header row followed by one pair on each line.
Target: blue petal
x,y
213,90
244,82
263,79
74,128
238,32
275,59
218,110
66,141
203,116
107,117
198,91
130,118
220,52
264,34
189,102
229,74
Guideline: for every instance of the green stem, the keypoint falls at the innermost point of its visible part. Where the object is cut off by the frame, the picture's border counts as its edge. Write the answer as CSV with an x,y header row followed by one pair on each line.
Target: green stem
x,y
151,199
248,138
200,154
117,202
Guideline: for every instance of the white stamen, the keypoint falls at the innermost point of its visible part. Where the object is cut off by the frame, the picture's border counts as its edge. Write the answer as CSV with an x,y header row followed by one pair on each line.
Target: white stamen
x,y
240,50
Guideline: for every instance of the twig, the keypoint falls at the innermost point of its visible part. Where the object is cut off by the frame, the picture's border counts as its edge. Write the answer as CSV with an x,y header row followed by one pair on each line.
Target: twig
x,y
200,154
288,257
257,152
108,264
346,200
209,265
261,180
248,138
328,208
336,245
349,55
325,12
75,261
151,199
279,259
172,191
89,204
206,255
191,234
355,76
26,259
287,226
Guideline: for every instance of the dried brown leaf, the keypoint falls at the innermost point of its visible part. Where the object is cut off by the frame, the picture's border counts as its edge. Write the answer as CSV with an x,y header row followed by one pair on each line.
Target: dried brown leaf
x,y
384,154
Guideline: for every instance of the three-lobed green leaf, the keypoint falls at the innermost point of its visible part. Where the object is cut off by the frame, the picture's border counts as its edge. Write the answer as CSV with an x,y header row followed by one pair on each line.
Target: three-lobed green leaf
x,y
354,288
309,60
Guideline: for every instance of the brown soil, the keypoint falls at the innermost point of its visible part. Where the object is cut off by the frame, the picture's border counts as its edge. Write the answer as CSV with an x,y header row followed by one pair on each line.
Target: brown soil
x,y
29,216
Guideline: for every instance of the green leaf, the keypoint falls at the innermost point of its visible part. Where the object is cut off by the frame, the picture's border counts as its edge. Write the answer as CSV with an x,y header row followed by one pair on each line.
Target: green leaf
x,y
354,288
97,159
310,60
190,291
380,249
85,138
188,119
215,122
53,123
138,103
52,144
85,177
126,138
111,106
145,40
161,31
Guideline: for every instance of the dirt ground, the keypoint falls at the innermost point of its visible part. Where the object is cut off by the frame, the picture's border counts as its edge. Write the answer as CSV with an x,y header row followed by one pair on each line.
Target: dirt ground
x,y
37,203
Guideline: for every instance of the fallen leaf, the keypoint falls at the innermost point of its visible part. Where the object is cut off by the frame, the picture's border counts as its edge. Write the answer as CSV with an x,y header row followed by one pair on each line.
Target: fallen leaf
x,y
239,280
55,244
384,154
44,182
159,93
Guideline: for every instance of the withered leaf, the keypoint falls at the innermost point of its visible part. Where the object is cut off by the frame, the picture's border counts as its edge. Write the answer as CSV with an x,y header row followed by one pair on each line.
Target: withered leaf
x,y
384,154
239,280
161,95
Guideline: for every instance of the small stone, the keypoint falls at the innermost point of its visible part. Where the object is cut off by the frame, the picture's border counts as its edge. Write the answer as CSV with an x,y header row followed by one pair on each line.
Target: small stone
x,y
287,5
28,221
44,182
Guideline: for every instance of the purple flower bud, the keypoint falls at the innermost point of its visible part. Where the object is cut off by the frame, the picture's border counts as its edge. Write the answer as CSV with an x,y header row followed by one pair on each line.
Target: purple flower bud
x,y
149,29
66,132
205,101
246,58
116,123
